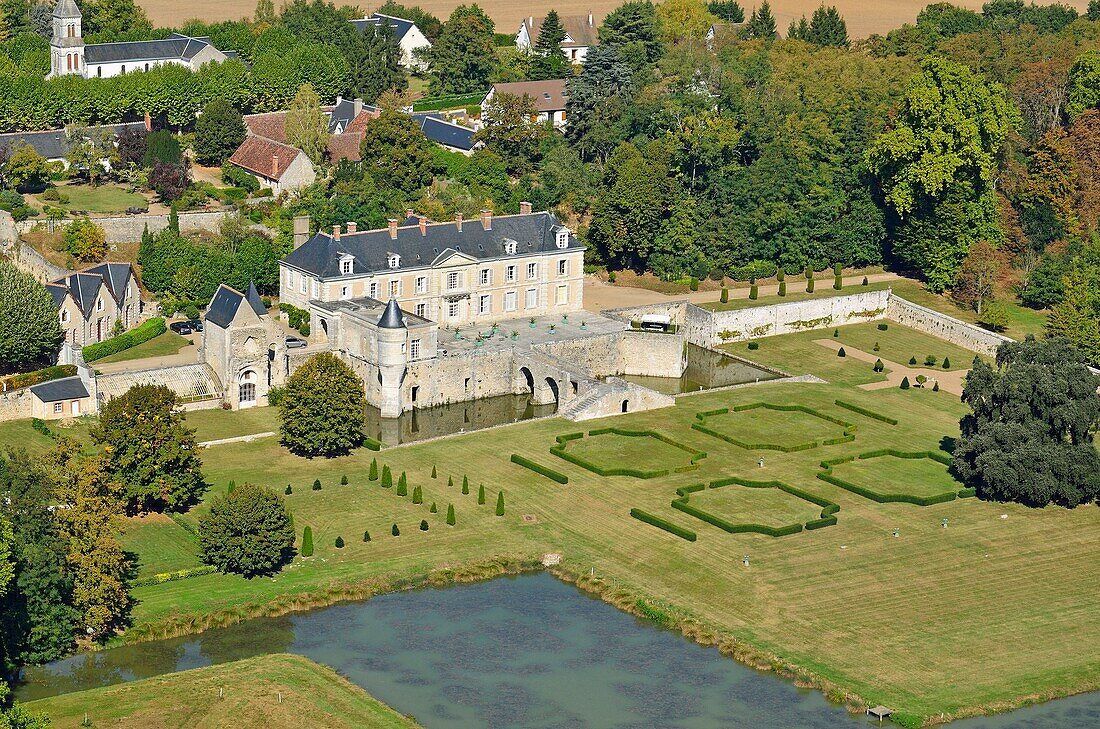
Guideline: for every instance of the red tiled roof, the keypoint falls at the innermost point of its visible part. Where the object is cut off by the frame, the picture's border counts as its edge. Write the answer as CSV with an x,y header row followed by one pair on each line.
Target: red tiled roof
x,y
344,146
271,125
264,157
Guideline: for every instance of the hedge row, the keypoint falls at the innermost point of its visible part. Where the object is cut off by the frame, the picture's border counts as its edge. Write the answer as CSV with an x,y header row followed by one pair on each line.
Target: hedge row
x,y
139,335
540,469
753,446
372,444
827,476
576,460
561,452
162,577
710,413
848,437
937,456
684,506
663,524
967,493
864,411
563,439
38,376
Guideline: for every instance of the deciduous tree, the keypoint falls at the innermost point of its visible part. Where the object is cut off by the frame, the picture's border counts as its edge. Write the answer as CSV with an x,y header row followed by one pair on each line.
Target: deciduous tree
x,y
978,274
249,532
1077,316
322,409
85,240
218,132
463,58
306,125
396,154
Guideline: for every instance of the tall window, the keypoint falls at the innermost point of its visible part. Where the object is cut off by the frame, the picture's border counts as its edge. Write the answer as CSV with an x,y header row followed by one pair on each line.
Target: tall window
x,y
414,349
454,280
302,284
531,299
247,390
563,294
532,270
422,311
316,289
510,273
563,267
485,306
452,310
510,301
373,288
395,288
345,292
421,284
484,277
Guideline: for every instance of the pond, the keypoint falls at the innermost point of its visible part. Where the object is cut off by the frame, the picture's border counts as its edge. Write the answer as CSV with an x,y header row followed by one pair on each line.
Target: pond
x,y
706,370
424,423
529,651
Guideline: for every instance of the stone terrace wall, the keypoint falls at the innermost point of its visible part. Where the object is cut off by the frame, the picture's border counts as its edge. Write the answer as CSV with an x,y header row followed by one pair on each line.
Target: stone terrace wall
x,y
28,259
15,405
128,228
945,327
621,353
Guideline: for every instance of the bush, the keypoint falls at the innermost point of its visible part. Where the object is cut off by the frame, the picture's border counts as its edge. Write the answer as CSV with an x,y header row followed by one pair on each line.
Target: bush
x,y
481,494
339,542
418,496
841,353
754,345
234,175
465,485
947,363
782,288
873,349
307,543
838,283
693,284
936,387
366,536
754,292
865,281
40,425
433,509
837,269
373,476
344,480
754,269
143,333
540,469
912,360
402,485
810,286
288,491
611,277
879,366
162,577
500,503
33,378
836,333
725,297
450,514
930,361
423,525
905,383
316,484
450,482
433,472
395,531
387,477
663,524
883,326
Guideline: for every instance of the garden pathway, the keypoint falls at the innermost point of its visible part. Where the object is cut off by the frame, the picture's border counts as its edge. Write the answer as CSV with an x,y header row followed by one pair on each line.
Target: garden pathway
x,y
950,380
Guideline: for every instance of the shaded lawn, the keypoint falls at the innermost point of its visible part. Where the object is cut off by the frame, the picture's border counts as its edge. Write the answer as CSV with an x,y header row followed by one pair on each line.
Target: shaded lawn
x,y
796,291
160,543
161,345
101,199
893,475
1021,320
899,343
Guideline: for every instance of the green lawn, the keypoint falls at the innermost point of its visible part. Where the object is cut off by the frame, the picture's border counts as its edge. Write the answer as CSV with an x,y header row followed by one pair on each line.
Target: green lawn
x,y
159,346
1021,320
100,199
643,453
900,343
161,545
893,475
217,424
796,291
277,691
773,427
767,506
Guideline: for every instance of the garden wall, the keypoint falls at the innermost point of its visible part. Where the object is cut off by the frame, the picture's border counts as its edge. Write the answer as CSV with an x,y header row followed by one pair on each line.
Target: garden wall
x,y
128,228
621,353
15,405
945,327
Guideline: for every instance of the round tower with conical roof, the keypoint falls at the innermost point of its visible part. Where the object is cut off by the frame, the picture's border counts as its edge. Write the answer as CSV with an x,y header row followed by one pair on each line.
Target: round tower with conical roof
x,y
67,45
392,359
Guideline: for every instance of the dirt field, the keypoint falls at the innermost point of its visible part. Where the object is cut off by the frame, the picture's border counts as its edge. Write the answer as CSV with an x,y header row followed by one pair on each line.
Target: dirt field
x,y
863,17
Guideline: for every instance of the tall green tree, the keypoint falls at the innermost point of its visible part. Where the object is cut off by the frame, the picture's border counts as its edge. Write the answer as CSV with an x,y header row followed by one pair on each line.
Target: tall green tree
x,y
634,30
942,150
30,331
550,61
150,449
218,132
247,532
825,28
396,154
322,408
1077,316
1029,435
508,130
597,102
306,124
761,24
464,57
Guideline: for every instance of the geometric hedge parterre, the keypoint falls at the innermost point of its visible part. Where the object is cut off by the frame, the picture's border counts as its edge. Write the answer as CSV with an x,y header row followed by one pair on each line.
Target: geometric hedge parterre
x,y
826,518
703,427
884,498
693,456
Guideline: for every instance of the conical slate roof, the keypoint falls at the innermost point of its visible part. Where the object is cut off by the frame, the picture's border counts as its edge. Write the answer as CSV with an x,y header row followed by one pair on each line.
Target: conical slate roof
x,y
66,9
254,300
392,317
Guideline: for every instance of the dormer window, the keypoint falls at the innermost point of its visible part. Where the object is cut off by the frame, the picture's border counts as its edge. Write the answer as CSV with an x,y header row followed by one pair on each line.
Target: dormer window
x,y
563,238
347,264
510,247
393,260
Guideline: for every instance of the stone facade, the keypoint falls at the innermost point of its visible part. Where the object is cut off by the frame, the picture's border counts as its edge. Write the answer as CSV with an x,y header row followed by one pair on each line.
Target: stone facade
x,y
128,229
945,327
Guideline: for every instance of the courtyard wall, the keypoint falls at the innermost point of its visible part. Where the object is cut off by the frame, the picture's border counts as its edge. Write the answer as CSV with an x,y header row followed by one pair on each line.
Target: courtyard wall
x,y
944,327
128,228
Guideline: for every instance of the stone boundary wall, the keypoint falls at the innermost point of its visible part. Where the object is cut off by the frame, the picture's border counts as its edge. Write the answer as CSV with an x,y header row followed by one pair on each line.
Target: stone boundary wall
x,y
945,327
28,259
16,404
128,228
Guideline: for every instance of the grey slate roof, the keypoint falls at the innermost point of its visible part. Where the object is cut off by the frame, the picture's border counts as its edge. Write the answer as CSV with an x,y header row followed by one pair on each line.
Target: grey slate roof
x,y
66,9
51,143
441,131
175,46
227,300
85,285
399,26
84,288
58,292
116,276
67,388
254,300
533,233
392,318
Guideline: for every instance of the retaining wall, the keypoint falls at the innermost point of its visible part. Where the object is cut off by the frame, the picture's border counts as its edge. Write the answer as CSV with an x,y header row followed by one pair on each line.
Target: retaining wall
x,y
128,228
15,405
945,327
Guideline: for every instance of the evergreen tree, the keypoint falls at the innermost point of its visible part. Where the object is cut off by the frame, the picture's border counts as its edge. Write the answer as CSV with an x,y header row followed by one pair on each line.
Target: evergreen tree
x,y
433,509
218,132
366,536
316,484
500,503
402,485
387,477
905,383
395,531
339,544
307,543
451,514
288,490
30,332
373,476
550,61
481,494
248,532
344,480
464,57
418,495
761,24
465,484
825,28
423,525
433,471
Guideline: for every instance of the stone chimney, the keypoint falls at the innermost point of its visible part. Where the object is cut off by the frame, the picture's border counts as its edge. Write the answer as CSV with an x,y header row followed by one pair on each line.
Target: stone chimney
x,y
393,228
352,226
458,221
530,22
340,99
358,107
301,230
525,208
274,166
423,221
409,212
487,219
590,19
336,232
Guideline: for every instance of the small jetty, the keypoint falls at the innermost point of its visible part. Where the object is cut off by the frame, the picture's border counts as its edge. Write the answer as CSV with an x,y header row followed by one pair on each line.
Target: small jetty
x,y
880,712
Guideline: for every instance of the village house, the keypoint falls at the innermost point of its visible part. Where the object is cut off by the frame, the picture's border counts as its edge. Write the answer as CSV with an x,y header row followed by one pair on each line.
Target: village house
x,y
454,273
68,397
53,144
580,35
70,55
450,135
549,98
409,37
90,302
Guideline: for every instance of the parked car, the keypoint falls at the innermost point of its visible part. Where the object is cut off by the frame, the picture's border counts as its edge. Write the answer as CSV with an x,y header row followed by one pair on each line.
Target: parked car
x,y
181,327
295,343
195,324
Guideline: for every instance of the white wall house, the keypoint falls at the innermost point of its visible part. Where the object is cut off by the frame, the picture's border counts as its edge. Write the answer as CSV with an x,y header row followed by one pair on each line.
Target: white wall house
x,y
69,55
580,35
549,98
409,37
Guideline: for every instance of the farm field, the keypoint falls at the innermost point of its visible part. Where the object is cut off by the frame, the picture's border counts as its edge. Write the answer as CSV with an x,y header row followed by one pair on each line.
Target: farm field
x,y
848,607
863,18
277,691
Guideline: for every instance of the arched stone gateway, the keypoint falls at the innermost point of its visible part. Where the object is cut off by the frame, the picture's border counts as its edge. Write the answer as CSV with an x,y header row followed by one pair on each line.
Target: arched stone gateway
x,y
529,378
553,385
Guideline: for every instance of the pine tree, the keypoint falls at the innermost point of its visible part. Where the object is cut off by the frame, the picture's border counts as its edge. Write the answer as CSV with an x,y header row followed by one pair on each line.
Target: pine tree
x,y
373,470
761,23
947,363
451,514
395,531
316,484
433,509
905,383
912,360
549,61
836,333
339,542
307,543
423,525
841,353
387,477
344,480
418,495
450,482
936,386
402,485
481,494
433,472
500,503
366,536
465,485
288,491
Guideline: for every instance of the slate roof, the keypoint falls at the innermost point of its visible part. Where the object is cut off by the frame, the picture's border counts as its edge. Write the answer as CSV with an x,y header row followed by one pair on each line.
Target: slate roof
x,y
264,157
67,388
84,288
174,47
365,306
227,300
51,143
548,95
116,276
443,132
392,317
66,9
400,26
579,32
533,233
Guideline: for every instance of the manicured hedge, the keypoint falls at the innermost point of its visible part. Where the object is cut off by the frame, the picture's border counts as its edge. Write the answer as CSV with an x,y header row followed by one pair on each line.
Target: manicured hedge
x,y
967,493
864,411
684,506
539,468
753,446
46,374
162,577
561,451
848,437
663,524
710,413
827,476
372,444
828,508
139,335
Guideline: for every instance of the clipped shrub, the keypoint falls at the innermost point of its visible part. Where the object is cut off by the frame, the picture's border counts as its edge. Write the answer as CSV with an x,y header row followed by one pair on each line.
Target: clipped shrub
x,y
663,524
841,353
288,491
402,485
450,514
481,494
754,290
836,333
947,363
307,543
395,531
465,485
912,360
418,495
810,286
339,542
138,335
754,345
232,487
539,468
387,477
26,379
450,482
904,383
316,484
366,536
782,288
373,470
725,297
865,281
693,284
930,361
838,282
372,444
500,503
883,326
423,525
876,347
780,275
879,367
433,509
935,387
864,411
344,480
837,269
434,475
809,272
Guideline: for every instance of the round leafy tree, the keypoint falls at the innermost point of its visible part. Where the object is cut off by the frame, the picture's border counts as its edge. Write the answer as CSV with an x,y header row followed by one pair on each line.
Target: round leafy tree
x,y
150,450
218,132
29,330
248,531
322,409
